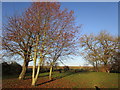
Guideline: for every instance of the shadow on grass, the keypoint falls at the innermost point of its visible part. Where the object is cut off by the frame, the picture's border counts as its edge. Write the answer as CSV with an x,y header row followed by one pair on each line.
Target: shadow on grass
x,y
9,76
28,75
68,73
44,75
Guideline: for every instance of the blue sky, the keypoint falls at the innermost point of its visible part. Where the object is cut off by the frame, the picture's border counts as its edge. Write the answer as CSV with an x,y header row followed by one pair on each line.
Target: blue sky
x,y
94,16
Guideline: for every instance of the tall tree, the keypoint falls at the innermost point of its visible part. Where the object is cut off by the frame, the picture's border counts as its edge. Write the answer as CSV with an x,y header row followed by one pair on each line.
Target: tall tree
x,y
13,41
64,45
40,30
56,30
108,46
90,49
99,49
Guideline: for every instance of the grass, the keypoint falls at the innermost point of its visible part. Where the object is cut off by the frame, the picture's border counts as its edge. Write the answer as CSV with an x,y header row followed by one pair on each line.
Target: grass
x,y
92,79
68,80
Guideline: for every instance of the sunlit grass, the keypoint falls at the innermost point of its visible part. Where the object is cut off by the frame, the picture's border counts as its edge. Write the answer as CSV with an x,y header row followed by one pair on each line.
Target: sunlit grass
x,y
92,79
88,79
71,79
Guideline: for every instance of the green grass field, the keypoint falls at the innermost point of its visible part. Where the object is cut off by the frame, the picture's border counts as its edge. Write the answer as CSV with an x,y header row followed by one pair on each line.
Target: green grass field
x,y
68,80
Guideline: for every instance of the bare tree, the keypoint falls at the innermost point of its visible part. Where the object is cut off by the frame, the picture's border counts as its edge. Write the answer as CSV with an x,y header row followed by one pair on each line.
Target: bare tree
x,y
99,49
56,33
108,46
13,41
42,29
90,49
63,46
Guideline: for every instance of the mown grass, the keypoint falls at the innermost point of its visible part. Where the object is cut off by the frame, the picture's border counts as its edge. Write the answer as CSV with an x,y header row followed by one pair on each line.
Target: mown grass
x,y
80,80
88,79
92,79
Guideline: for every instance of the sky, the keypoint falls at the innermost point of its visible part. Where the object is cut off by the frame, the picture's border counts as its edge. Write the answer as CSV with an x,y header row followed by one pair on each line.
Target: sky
x,y
94,17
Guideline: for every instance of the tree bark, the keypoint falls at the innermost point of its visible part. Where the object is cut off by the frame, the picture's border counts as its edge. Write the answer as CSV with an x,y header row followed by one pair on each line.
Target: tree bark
x,y
38,69
24,68
97,67
107,69
50,74
35,75
34,65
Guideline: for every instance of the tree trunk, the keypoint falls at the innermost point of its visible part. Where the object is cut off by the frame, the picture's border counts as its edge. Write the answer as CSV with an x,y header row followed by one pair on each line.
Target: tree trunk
x,y
94,68
38,70
34,65
97,67
50,74
24,68
106,67
35,75
108,71
33,82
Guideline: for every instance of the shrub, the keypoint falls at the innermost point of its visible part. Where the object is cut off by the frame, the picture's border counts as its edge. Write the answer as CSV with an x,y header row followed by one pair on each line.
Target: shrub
x,y
5,68
60,70
10,69
66,68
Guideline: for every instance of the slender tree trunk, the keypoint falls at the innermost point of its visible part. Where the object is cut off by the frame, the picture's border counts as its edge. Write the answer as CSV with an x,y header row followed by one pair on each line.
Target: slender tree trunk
x,y
24,68
34,65
38,69
106,69
97,66
50,73
94,66
35,76
33,73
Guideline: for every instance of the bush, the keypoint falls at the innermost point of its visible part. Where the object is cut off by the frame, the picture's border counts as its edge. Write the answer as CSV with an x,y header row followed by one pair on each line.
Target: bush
x,y
60,70
80,70
115,67
43,69
66,68
5,68
10,69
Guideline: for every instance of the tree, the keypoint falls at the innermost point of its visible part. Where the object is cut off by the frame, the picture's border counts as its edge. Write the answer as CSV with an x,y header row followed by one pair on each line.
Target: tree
x,y
90,49
115,67
13,41
45,28
99,49
108,46
63,46
56,33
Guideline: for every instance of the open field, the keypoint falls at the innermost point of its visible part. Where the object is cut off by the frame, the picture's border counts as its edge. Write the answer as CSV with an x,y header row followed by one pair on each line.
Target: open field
x,y
71,67
66,80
